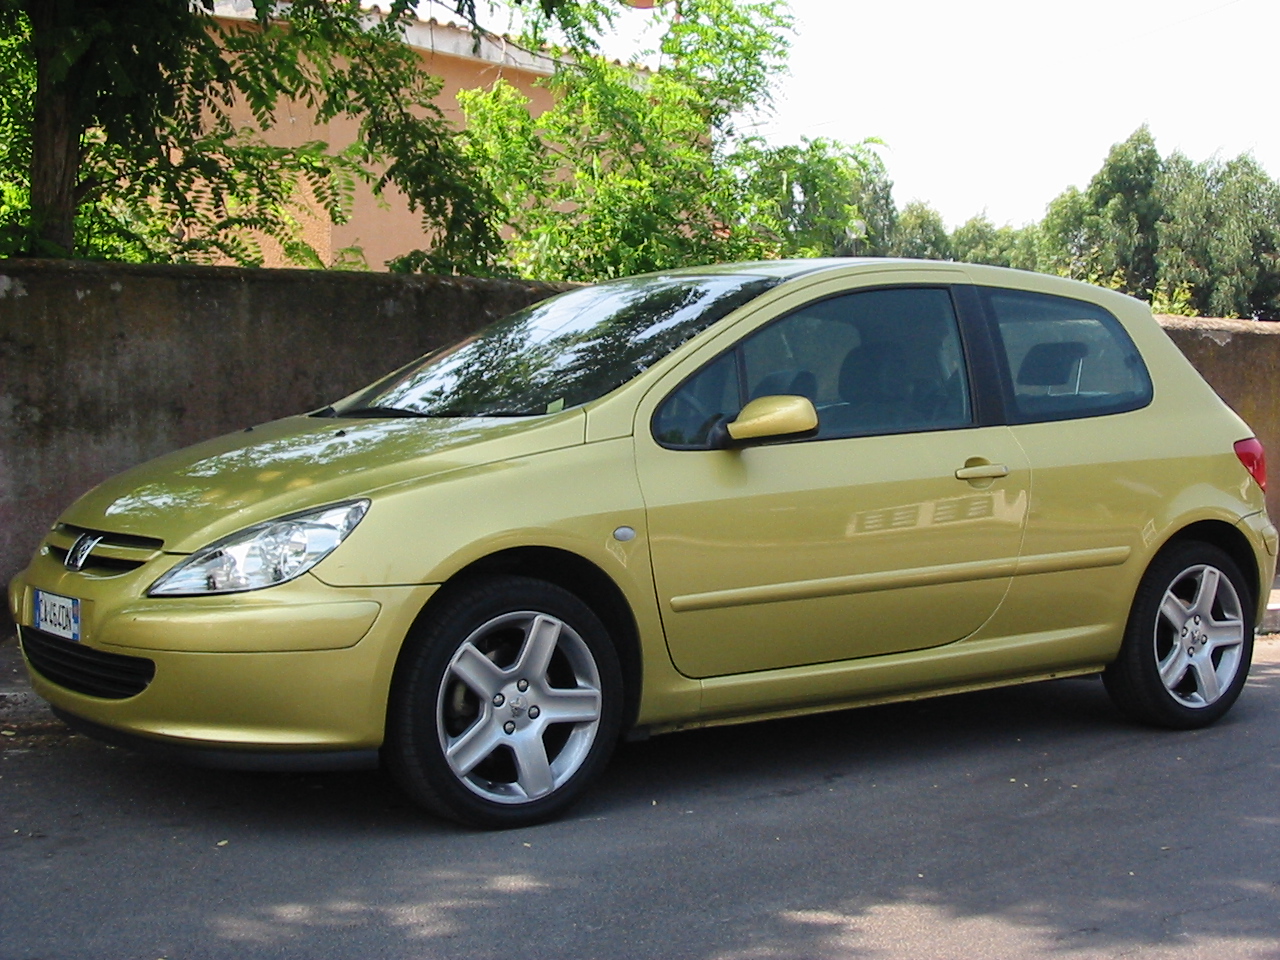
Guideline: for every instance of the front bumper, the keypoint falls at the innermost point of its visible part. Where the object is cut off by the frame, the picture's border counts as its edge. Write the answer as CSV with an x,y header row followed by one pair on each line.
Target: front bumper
x,y
265,676
216,758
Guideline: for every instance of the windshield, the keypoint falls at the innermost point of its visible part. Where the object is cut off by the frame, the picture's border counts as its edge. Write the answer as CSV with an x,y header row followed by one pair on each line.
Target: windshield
x,y
561,352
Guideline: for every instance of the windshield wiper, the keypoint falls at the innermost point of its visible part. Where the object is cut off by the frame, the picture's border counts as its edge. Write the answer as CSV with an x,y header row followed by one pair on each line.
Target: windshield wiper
x,y
459,414
486,413
379,412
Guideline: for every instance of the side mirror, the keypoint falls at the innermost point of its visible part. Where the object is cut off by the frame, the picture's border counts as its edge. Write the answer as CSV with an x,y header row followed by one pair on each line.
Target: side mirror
x,y
767,418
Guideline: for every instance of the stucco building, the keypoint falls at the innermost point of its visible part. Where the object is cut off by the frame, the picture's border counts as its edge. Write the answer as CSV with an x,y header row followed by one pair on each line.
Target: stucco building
x,y
384,227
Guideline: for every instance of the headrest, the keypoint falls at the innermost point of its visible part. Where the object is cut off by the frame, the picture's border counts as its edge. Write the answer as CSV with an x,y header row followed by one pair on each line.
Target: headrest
x,y
1051,364
876,371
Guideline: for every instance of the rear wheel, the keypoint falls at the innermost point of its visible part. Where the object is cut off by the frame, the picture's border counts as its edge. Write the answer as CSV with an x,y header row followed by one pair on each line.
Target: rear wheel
x,y
1189,641
506,705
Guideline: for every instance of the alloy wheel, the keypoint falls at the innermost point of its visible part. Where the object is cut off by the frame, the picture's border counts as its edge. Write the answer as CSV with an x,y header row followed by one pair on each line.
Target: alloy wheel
x,y
519,707
1199,636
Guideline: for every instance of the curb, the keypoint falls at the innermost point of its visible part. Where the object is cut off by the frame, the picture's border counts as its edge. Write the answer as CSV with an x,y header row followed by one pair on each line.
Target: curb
x,y
1271,619
19,706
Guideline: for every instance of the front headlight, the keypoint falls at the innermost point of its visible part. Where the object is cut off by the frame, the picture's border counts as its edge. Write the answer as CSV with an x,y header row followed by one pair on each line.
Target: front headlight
x,y
263,555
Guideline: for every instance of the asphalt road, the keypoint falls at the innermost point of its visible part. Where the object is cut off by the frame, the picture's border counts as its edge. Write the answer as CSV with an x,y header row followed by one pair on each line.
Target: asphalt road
x,y
1024,823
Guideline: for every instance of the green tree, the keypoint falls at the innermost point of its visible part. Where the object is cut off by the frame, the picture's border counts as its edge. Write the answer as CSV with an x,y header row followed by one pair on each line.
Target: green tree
x,y
128,149
1189,237
1064,246
1108,233
616,178
1219,251
631,171
807,195
978,240
17,75
877,212
921,234
1123,207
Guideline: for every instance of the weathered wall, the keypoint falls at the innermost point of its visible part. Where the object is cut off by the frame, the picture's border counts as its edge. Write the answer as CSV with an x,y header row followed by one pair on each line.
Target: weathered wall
x,y
103,366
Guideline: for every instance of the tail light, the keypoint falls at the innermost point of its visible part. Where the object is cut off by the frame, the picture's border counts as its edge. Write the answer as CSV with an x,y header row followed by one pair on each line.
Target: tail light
x,y
1254,459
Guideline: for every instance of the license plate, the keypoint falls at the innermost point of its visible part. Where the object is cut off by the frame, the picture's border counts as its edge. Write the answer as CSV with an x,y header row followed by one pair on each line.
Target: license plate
x,y
58,615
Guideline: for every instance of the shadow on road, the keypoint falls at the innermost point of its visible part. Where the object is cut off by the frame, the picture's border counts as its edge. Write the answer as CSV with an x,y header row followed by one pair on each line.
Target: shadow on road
x,y
1021,822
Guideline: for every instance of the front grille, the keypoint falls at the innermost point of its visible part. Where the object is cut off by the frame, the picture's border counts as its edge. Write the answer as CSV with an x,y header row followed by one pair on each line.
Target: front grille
x,y
95,564
110,539
94,673
114,554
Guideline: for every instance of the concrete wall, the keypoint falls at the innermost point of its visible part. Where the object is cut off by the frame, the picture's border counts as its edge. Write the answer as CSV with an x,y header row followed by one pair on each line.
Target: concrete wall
x,y
103,366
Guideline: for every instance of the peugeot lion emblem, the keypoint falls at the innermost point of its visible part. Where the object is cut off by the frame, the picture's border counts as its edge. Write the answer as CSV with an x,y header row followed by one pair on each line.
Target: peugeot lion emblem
x,y
80,551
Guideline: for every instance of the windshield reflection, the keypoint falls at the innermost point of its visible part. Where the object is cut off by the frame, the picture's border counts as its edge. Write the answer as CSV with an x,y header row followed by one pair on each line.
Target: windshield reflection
x,y
562,352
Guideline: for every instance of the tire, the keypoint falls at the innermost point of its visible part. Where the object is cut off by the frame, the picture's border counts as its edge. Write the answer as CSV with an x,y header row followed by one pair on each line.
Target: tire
x,y
506,704
1189,640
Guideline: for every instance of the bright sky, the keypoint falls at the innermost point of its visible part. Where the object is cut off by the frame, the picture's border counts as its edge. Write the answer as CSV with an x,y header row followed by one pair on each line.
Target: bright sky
x,y
999,105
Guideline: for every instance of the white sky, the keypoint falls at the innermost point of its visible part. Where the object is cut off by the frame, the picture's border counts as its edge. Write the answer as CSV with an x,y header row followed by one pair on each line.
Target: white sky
x,y
999,105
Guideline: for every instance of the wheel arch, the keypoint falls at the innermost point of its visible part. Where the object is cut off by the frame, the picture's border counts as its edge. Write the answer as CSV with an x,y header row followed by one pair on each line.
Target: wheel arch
x,y
1231,541
583,579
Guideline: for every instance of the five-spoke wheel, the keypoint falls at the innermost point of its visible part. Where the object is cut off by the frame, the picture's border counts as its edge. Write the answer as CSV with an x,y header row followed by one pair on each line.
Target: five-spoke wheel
x,y
1199,636
1189,640
506,705
519,708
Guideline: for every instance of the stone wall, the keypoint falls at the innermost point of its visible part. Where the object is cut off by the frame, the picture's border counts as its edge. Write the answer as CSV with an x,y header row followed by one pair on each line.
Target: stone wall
x,y
103,366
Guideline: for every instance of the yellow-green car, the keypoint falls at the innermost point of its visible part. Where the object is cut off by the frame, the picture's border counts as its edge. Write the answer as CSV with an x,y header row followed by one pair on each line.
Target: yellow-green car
x,y
704,496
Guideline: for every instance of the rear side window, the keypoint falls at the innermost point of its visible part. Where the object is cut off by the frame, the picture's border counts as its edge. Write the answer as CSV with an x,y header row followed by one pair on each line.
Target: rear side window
x,y
1066,358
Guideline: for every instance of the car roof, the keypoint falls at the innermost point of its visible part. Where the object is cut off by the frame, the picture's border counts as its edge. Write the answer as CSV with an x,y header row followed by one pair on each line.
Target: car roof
x,y
781,269
791,269
785,271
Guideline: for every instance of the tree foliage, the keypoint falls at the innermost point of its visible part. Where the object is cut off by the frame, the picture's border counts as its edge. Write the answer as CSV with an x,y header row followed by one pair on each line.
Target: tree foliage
x,y
121,143
811,199
1190,237
1121,210
631,171
920,233
1219,238
1198,238
17,82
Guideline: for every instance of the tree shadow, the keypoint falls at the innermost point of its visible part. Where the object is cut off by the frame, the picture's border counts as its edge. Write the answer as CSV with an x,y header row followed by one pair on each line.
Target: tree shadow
x,y
1019,822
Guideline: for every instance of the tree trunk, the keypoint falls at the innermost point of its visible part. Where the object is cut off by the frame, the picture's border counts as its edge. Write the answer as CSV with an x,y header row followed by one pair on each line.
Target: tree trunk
x,y
55,140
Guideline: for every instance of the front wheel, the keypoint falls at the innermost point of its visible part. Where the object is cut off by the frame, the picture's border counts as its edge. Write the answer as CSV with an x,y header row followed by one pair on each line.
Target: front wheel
x,y
506,705
1189,641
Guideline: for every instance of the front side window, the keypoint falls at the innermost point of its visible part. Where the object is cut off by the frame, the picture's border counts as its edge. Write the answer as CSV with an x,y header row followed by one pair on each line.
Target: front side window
x,y
872,362
686,417
1066,358
561,352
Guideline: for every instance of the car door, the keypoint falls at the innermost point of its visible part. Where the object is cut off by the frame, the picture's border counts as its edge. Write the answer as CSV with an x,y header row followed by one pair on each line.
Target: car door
x,y
1076,393
896,527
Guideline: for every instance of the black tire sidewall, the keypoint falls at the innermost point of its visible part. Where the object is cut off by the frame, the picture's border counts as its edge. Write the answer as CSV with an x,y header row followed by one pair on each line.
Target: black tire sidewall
x,y
412,749
1133,680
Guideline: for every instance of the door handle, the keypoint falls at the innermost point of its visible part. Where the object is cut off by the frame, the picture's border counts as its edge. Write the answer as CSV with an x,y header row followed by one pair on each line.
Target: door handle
x,y
982,471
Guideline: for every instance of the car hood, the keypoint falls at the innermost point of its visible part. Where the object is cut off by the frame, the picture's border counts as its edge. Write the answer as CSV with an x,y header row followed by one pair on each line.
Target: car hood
x,y
195,496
